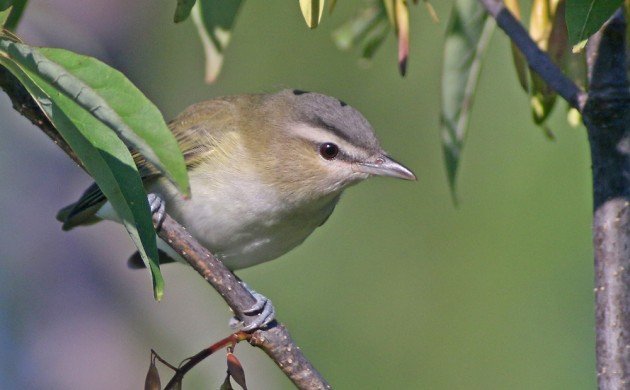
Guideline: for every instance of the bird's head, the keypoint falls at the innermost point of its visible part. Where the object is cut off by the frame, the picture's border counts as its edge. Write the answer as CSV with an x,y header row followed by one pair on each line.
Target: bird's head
x,y
312,145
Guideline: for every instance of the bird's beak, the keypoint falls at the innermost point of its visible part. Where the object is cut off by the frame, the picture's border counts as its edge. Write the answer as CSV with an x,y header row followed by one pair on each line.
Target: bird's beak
x,y
384,166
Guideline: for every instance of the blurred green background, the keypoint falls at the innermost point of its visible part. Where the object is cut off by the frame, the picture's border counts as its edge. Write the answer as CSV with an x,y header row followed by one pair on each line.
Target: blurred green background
x,y
399,290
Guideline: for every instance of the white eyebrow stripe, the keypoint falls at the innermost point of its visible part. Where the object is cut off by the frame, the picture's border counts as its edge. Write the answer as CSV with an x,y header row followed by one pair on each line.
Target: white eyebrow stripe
x,y
318,135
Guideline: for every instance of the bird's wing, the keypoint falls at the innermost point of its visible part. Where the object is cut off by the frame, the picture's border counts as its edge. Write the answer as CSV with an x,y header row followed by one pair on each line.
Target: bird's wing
x,y
210,117
83,211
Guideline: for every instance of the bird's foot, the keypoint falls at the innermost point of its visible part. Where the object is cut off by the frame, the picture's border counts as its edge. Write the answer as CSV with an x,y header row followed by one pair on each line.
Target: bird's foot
x,y
258,316
158,209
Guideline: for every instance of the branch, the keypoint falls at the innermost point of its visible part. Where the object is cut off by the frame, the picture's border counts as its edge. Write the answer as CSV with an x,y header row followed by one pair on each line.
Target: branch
x,y
192,361
606,114
607,119
537,60
275,341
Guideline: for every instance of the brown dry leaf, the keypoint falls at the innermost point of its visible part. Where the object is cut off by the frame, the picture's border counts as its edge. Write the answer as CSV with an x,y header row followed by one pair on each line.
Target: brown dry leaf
x,y
235,370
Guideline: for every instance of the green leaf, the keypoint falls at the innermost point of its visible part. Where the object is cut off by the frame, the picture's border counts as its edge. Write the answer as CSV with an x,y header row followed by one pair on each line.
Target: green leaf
x,y
214,20
367,29
182,12
351,33
5,4
312,11
467,36
374,39
16,14
4,15
113,100
586,17
104,155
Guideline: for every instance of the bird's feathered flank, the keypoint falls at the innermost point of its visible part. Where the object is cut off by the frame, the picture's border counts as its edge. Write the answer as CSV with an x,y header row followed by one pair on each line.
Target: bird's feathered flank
x,y
198,131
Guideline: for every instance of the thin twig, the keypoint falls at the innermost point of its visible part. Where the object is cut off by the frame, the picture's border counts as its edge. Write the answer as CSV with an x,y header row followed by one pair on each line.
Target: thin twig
x,y
275,340
537,60
155,355
191,362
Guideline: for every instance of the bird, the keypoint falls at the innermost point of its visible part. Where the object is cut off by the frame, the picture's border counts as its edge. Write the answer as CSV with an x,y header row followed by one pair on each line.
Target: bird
x,y
265,171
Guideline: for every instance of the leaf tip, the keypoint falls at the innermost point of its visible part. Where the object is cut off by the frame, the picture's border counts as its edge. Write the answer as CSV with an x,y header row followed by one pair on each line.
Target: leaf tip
x,y
432,13
158,285
402,66
158,294
578,47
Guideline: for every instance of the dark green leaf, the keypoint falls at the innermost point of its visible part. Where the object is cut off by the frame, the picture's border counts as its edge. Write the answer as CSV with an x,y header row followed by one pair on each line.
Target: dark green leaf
x,y
103,154
214,20
5,4
467,37
113,100
15,15
585,17
182,12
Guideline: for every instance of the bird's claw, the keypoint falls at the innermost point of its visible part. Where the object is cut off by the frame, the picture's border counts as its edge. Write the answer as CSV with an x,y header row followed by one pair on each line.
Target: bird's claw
x,y
258,316
158,209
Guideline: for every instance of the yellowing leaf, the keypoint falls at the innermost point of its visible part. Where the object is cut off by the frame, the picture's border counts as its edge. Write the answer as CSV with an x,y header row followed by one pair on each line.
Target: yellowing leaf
x,y
402,31
520,64
312,11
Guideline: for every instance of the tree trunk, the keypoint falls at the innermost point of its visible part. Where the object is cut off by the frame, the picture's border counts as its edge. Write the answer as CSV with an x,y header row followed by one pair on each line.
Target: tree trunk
x,y
607,118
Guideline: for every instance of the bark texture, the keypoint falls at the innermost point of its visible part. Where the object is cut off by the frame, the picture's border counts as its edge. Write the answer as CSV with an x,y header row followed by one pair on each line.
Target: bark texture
x,y
607,118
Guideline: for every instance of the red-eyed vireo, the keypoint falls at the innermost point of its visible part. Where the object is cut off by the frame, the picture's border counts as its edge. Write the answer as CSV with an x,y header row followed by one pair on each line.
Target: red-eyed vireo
x,y
265,171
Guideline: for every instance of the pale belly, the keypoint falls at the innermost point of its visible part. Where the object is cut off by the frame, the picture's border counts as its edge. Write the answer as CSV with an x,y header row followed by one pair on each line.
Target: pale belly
x,y
244,227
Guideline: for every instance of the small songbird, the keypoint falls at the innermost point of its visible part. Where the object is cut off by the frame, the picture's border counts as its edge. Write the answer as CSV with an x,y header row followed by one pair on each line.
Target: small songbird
x,y
265,171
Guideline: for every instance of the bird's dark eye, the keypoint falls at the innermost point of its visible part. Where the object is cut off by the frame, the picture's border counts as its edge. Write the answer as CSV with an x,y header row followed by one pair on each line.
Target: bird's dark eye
x,y
328,150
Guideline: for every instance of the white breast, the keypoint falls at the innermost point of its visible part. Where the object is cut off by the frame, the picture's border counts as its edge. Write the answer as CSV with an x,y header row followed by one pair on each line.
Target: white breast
x,y
243,223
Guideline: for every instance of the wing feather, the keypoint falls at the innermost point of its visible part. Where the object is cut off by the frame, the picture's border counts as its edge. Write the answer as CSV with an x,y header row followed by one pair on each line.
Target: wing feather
x,y
196,129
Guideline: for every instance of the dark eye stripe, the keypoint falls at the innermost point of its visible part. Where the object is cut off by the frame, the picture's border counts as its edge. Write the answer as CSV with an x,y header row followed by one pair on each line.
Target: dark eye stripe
x,y
319,122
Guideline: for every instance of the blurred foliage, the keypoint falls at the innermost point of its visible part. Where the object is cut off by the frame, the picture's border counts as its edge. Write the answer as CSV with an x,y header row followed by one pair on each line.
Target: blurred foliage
x,y
467,37
498,291
463,59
